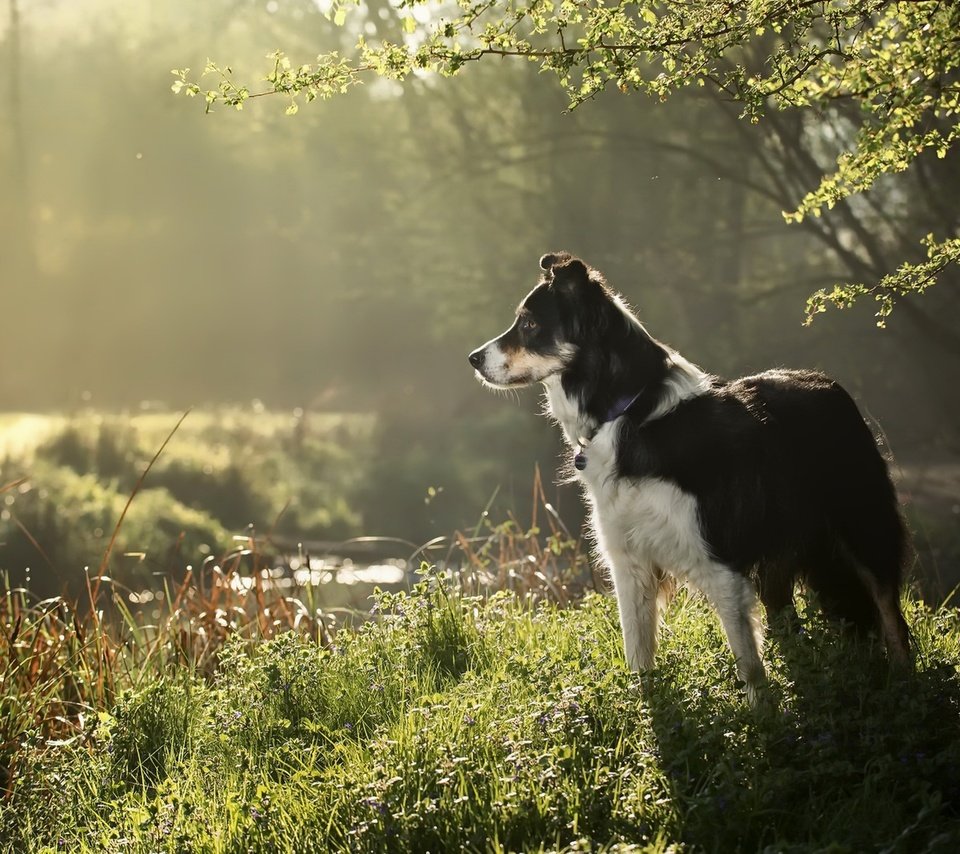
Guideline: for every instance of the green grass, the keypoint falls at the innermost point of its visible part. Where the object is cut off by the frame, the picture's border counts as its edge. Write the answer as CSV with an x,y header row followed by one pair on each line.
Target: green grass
x,y
451,723
295,475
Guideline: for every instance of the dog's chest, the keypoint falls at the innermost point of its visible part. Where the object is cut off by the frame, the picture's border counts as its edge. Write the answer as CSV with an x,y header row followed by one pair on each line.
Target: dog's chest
x,y
650,519
647,522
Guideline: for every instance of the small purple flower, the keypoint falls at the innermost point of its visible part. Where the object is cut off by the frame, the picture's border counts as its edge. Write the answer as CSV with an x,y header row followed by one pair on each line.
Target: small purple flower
x,y
469,719
376,805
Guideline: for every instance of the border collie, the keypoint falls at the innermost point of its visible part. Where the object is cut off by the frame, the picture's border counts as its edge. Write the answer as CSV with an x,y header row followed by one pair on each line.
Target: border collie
x,y
730,486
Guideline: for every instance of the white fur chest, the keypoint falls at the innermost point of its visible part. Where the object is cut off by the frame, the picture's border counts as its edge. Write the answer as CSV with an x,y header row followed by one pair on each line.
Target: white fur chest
x,y
645,522
601,452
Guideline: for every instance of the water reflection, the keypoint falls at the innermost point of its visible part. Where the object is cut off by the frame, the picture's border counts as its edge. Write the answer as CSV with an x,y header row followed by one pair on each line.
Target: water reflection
x,y
295,574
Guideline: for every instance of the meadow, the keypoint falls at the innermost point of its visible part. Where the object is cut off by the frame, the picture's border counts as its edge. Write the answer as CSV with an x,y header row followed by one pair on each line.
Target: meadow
x,y
451,722
486,707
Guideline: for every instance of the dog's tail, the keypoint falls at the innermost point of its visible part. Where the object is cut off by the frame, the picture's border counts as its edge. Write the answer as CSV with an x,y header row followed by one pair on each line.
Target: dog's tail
x,y
860,579
841,592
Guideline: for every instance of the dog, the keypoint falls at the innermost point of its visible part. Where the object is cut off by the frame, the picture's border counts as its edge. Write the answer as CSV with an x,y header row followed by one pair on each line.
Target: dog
x,y
738,488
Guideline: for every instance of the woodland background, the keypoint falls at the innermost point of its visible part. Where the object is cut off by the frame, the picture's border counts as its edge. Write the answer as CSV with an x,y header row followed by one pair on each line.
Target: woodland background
x,y
336,267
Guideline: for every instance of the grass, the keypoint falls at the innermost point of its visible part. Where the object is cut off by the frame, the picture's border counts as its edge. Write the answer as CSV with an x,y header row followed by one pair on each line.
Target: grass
x,y
295,474
452,722
238,719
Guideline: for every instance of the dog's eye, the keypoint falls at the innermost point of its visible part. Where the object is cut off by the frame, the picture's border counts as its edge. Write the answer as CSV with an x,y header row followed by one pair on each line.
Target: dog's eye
x,y
528,324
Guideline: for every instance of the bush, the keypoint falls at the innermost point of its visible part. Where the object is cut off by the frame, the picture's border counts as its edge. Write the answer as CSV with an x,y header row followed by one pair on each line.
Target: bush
x,y
222,472
64,521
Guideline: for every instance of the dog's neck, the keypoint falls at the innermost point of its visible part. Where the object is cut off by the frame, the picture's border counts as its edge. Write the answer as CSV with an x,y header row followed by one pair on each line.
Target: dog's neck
x,y
565,410
581,411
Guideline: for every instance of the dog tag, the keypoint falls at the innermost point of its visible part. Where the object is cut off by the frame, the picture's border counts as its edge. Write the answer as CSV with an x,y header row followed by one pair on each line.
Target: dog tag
x,y
580,461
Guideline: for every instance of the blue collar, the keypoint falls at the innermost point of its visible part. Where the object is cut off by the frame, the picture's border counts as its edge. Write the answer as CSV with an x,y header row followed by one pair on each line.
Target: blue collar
x,y
620,406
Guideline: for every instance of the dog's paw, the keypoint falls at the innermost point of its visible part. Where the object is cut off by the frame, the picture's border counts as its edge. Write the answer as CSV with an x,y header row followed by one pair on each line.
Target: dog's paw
x,y
761,697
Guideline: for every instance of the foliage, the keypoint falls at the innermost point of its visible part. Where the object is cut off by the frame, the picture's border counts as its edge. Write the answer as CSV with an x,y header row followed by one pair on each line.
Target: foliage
x,y
455,723
62,660
225,471
909,278
897,63
64,522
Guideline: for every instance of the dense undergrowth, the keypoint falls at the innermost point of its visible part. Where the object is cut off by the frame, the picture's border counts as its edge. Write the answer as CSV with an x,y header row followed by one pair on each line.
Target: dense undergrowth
x,y
453,723
227,470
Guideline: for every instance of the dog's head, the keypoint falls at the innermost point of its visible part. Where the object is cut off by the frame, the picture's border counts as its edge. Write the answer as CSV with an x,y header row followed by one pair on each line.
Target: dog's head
x,y
552,323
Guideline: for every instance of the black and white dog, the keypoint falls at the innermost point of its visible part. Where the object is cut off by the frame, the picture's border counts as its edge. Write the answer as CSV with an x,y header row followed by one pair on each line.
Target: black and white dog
x,y
771,478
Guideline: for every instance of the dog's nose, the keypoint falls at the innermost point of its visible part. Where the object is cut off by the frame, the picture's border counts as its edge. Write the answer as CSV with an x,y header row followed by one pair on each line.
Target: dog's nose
x,y
476,358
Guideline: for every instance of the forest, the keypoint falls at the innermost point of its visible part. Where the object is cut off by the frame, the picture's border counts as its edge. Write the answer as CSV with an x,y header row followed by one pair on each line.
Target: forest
x,y
245,249
346,259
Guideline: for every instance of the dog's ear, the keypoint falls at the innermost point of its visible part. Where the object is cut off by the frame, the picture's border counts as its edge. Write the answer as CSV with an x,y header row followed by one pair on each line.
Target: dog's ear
x,y
579,286
552,259
571,271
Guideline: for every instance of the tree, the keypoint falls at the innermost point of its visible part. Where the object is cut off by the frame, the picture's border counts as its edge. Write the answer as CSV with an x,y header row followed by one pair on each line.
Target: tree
x,y
881,78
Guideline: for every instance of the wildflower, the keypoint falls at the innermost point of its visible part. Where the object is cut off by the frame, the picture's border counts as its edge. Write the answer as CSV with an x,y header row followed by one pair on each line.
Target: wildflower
x,y
375,804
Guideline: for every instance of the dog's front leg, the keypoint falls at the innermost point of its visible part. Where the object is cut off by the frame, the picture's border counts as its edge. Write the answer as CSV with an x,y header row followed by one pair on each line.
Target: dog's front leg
x,y
637,588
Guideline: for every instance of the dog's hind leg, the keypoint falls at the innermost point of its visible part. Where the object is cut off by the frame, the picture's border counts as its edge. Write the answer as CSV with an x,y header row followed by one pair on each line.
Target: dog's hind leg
x,y
733,595
870,529
874,538
896,634
775,581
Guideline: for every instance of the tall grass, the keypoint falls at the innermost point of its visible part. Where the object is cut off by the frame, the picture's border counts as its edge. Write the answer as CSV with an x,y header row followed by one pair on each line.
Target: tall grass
x,y
488,709
456,722
66,660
